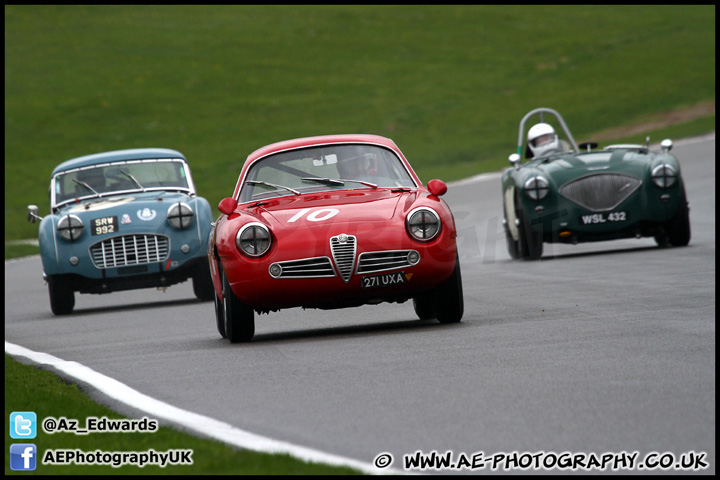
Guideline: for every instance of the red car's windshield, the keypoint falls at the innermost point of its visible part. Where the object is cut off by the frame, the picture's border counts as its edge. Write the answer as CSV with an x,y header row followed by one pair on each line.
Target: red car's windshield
x,y
330,167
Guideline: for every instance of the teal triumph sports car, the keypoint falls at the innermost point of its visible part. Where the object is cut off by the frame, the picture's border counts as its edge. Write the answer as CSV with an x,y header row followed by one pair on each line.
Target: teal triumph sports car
x,y
123,220
569,193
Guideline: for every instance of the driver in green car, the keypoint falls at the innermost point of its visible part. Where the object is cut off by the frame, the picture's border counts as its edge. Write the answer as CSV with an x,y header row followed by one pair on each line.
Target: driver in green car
x,y
543,140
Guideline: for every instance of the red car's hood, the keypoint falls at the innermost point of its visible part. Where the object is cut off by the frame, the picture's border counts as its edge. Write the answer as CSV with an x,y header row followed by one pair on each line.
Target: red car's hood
x,y
327,208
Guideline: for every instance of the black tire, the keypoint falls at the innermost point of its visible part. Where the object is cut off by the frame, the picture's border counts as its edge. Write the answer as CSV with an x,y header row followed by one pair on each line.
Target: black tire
x,y
425,306
678,229
202,284
239,317
449,304
220,316
62,295
513,246
530,242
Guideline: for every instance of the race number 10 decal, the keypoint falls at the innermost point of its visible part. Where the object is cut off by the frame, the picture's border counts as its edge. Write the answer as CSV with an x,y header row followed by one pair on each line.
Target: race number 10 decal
x,y
316,216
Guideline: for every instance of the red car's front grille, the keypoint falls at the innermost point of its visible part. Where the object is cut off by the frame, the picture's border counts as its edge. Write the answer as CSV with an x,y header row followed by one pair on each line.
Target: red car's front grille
x,y
371,262
343,249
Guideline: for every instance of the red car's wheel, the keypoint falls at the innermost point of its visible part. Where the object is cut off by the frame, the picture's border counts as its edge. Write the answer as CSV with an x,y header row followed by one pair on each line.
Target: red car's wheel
x,y
220,316
239,317
424,306
449,304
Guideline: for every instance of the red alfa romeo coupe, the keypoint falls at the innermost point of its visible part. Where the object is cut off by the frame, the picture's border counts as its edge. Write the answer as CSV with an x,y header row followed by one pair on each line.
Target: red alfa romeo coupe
x,y
332,222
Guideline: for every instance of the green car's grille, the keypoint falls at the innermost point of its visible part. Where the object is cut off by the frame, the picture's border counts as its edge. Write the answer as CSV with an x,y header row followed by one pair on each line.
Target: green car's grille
x,y
129,250
600,191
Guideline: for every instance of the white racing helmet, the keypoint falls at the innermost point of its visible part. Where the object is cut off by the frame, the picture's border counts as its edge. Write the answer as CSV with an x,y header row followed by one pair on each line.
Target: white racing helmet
x,y
542,140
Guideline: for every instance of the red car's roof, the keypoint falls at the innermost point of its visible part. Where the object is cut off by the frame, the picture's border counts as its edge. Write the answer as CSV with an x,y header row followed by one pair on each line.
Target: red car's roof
x,y
320,140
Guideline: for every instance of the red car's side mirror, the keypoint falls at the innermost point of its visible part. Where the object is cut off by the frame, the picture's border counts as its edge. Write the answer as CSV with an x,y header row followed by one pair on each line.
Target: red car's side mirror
x,y
227,205
437,187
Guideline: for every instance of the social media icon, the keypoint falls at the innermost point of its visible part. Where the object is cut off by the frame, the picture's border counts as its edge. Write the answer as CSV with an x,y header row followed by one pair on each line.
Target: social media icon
x,y
23,456
23,425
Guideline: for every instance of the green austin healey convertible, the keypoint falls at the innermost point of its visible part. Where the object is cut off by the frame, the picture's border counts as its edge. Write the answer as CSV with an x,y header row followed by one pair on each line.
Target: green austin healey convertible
x,y
572,193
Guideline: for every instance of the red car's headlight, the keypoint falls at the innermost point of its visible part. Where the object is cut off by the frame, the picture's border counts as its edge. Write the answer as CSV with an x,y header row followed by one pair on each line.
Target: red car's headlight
x,y
253,239
423,224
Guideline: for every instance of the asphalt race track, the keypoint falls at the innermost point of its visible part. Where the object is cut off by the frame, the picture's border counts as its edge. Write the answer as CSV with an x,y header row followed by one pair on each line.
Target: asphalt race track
x,y
596,348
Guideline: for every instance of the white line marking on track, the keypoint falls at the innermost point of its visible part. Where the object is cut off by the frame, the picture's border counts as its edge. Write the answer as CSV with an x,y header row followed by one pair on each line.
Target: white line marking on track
x,y
206,426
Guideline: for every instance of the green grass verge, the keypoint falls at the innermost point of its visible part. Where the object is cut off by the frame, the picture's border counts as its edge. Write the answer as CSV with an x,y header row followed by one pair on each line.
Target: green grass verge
x,y
28,388
447,83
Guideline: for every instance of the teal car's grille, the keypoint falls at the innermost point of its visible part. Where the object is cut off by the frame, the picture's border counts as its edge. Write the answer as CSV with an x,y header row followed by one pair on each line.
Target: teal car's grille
x,y
129,250
601,191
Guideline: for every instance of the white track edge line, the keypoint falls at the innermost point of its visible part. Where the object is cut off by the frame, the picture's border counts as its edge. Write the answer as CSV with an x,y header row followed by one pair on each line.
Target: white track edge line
x,y
206,426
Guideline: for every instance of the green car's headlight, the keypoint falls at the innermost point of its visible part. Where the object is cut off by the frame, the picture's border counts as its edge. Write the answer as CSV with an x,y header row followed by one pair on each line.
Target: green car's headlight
x,y
180,215
423,224
70,227
537,188
253,239
664,176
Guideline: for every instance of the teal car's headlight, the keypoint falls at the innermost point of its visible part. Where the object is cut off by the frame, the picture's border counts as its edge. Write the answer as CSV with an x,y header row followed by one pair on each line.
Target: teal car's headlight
x,y
537,188
253,239
664,176
423,224
70,227
180,215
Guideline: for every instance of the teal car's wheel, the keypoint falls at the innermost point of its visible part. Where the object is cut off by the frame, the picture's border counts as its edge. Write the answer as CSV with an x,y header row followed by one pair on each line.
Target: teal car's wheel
x,y
239,317
202,284
62,296
449,304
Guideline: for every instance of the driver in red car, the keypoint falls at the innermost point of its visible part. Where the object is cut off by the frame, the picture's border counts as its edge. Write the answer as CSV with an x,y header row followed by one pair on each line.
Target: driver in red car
x,y
360,165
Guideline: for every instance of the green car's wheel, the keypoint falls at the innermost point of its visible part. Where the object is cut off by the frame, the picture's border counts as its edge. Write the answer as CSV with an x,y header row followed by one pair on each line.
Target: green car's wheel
x,y
513,247
530,241
678,229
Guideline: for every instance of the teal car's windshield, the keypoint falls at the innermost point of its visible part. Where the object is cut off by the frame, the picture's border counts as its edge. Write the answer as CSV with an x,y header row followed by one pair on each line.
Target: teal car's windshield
x,y
334,167
119,177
